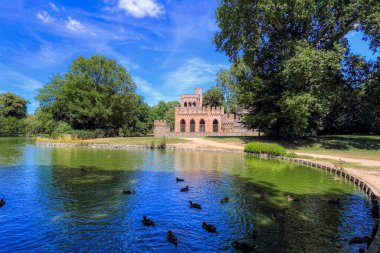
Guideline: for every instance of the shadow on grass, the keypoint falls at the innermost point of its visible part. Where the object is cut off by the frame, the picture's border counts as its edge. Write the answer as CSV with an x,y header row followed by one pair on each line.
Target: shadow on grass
x,y
345,142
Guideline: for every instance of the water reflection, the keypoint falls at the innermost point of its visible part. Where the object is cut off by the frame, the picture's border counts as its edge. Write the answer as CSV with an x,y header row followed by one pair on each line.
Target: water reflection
x,y
70,200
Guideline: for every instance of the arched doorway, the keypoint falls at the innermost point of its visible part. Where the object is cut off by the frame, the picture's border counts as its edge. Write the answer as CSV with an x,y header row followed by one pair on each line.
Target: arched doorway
x,y
202,126
192,126
185,104
194,104
183,126
215,125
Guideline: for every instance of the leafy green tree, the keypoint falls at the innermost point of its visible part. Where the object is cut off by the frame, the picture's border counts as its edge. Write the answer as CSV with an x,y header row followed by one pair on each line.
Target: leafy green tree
x,y
292,52
213,97
95,93
165,111
12,105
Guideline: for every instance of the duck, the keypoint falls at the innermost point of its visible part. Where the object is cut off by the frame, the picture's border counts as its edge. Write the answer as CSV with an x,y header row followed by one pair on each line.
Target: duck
x,y
172,238
195,205
292,198
208,227
128,192
224,200
179,179
243,245
2,202
274,216
147,222
186,189
334,201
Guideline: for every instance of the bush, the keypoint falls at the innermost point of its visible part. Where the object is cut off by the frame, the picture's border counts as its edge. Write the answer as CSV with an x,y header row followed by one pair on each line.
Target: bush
x,y
162,144
265,148
88,134
62,129
12,126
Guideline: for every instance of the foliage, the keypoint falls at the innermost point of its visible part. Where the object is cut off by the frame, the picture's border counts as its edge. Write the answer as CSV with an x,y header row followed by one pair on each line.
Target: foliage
x,y
213,97
62,128
11,126
12,105
165,111
162,144
288,52
265,148
95,93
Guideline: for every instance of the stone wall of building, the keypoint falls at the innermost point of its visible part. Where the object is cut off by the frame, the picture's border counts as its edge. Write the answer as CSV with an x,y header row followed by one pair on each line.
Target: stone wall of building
x,y
161,129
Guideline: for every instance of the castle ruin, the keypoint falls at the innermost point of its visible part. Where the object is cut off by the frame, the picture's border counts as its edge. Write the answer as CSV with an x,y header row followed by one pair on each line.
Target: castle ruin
x,y
193,119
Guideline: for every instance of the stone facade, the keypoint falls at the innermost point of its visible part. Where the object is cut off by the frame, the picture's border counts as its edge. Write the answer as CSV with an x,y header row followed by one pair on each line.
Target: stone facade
x,y
193,119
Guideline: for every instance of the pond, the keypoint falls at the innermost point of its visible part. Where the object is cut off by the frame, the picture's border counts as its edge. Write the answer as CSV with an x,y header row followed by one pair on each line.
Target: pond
x,y
70,200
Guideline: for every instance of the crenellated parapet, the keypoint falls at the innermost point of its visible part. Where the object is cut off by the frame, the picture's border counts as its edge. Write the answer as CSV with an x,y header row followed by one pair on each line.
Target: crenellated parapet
x,y
201,111
160,123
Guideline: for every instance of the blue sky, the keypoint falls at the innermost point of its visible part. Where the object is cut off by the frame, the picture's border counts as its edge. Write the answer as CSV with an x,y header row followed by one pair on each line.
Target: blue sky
x,y
165,44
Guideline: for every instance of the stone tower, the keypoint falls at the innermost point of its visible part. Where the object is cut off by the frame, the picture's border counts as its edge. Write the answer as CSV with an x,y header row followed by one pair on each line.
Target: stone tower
x,y
199,92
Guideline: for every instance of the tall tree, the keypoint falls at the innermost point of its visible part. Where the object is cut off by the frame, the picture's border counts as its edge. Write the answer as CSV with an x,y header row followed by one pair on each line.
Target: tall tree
x,y
95,93
12,105
293,52
213,97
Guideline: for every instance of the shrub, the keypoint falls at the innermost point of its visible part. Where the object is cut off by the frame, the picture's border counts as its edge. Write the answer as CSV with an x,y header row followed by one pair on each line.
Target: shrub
x,y
162,144
265,148
62,129
90,134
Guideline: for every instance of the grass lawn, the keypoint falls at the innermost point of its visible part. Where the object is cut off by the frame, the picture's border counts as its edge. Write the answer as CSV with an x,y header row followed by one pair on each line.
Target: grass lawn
x,y
353,146
115,140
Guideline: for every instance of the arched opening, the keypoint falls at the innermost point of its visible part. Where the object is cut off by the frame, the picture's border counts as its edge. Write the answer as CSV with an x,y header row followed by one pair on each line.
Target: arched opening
x,y
185,104
215,126
202,126
192,126
183,126
194,104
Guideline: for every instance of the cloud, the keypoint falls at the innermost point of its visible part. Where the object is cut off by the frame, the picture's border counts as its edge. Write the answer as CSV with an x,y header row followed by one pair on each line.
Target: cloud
x,y
194,72
44,17
54,7
18,79
74,25
148,91
141,8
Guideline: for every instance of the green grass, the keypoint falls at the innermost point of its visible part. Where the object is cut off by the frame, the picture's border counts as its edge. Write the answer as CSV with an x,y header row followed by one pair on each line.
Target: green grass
x,y
265,148
353,146
116,140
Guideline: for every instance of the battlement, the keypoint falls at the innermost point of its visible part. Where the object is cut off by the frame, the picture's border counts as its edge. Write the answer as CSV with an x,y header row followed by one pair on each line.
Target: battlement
x,y
160,123
201,110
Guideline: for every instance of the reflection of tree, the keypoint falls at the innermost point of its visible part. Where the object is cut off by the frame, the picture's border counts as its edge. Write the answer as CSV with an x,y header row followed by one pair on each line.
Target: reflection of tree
x,y
11,150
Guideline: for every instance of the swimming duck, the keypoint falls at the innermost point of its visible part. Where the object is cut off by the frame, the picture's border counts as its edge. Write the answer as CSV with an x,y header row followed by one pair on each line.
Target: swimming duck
x,y
292,198
208,227
2,202
224,200
334,201
195,205
128,192
274,216
186,189
179,180
172,238
147,222
243,245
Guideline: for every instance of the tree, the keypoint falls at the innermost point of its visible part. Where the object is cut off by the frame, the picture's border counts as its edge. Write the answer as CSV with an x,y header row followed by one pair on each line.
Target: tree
x,y
165,111
292,52
213,97
95,93
12,105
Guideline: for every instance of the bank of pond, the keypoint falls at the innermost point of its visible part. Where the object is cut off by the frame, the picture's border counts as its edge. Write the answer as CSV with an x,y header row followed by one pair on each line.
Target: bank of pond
x,y
94,200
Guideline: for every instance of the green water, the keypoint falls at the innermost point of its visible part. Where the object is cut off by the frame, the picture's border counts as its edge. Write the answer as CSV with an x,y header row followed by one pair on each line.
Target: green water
x,y
69,200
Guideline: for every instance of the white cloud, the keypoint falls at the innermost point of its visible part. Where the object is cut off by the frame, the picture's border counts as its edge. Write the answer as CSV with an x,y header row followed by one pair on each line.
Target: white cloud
x,y
194,72
141,8
44,17
74,25
18,79
53,7
148,91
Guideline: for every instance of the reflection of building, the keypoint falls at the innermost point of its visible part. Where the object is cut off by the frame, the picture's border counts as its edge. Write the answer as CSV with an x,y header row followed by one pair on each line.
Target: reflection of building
x,y
191,118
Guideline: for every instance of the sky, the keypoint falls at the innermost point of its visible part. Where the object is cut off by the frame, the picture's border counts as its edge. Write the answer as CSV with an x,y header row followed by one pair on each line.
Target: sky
x,y
166,45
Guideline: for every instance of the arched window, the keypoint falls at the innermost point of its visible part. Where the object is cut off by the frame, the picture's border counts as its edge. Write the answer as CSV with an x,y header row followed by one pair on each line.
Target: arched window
x,y
192,126
185,104
183,126
202,126
215,125
194,104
